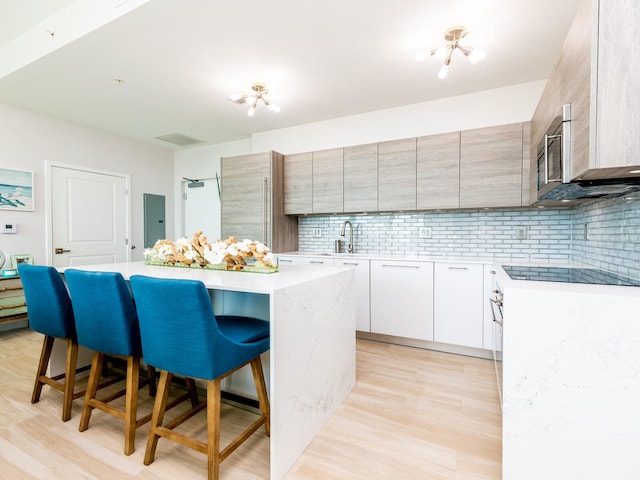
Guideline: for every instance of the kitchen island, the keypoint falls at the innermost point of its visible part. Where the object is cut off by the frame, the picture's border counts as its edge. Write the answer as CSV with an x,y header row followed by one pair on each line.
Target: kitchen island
x,y
311,363
571,380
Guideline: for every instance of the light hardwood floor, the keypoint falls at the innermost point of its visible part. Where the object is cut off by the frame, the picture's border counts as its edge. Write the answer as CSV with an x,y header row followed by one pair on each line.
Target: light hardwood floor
x,y
414,414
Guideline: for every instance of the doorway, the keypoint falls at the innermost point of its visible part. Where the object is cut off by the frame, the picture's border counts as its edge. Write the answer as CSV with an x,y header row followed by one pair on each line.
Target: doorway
x,y
89,215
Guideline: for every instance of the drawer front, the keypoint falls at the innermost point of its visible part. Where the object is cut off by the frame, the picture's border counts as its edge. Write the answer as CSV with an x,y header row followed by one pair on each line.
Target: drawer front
x,y
12,306
10,287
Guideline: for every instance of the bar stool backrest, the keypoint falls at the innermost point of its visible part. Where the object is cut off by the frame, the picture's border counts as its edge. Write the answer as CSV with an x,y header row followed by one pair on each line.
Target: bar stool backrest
x,y
48,302
106,319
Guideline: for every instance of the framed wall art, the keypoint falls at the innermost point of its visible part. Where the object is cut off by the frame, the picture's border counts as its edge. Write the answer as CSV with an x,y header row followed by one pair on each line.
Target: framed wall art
x,y
16,190
17,259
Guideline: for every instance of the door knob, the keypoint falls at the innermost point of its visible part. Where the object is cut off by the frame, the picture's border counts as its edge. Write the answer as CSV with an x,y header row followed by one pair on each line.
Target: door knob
x,y
59,251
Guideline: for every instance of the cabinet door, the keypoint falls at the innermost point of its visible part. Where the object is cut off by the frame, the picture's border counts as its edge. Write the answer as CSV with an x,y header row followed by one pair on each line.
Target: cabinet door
x,y
361,178
327,181
458,304
438,171
618,80
397,175
491,167
402,299
298,183
246,200
361,268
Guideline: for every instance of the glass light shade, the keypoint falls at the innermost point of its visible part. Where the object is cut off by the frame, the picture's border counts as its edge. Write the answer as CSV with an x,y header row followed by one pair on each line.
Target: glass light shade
x,y
477,55
273,107
442,52
235,97
442,74
251,111
422,55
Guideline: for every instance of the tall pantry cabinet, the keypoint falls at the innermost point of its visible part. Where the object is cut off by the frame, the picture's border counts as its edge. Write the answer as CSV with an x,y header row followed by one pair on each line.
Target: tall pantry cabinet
x,y
253,201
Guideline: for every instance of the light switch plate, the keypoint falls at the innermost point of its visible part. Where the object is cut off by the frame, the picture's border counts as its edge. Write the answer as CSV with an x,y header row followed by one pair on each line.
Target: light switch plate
x,y
424,232
521,233
8,228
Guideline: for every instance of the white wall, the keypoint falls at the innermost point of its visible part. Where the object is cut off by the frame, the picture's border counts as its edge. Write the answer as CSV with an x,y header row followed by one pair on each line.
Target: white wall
x,y
500,106
28,139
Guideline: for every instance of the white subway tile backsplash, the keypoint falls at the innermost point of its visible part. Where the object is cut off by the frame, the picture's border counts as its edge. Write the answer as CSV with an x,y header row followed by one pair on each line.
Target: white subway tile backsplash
x,y
552,234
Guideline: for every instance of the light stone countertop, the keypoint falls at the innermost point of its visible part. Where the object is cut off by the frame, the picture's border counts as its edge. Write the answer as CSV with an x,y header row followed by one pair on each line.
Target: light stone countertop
x,y
250,282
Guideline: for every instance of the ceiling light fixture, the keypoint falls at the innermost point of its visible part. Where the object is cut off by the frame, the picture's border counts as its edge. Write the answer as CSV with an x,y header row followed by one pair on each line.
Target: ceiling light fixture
x,y
259,93
453,35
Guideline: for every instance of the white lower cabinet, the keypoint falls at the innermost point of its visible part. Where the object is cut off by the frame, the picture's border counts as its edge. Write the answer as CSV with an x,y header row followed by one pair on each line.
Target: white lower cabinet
x,y
402,299
361,267
458,304
284,260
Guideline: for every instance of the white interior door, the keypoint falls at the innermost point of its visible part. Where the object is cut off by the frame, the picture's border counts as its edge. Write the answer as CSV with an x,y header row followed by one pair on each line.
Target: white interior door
x,y
89,217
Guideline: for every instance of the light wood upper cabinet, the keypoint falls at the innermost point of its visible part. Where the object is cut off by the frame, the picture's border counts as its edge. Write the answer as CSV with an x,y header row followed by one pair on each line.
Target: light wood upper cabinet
x,y
253,201
397,175
491,166
598,73
618,94
328,181
438,171
361,178
298,184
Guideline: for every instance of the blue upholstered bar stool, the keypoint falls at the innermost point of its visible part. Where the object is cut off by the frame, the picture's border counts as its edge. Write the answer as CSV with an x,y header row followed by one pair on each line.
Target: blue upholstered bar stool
x,y
181,335
106,322
50,313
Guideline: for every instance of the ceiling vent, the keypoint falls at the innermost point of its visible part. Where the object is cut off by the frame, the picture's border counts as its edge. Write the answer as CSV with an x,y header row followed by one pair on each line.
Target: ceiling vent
x,y
179,139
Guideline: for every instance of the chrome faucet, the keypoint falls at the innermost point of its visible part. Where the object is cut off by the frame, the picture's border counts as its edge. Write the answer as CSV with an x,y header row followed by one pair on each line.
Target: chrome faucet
x,y
350,248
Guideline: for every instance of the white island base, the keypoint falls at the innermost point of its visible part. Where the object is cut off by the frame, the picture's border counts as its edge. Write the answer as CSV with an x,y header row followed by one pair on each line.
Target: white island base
x,y
311,363
571,381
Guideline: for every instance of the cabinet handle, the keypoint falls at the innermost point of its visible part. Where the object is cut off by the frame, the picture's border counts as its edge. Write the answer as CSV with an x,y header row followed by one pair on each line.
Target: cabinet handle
x,y
285,260
546,159
400,266
458,268
351,263
265,186
317,261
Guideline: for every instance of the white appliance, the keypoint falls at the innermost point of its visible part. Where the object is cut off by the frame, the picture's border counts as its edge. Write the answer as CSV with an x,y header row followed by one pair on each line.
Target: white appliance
x,y
496,301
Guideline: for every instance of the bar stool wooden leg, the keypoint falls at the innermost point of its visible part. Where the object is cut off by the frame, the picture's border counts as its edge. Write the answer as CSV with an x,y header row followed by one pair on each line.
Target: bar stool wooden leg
x,y
92,387
45,354
261,390
69,378
157,417
131,403
213,428
151,376
193,391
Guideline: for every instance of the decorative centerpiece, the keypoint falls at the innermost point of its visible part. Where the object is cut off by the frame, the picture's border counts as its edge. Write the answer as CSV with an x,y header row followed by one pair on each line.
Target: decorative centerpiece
x,y
229,254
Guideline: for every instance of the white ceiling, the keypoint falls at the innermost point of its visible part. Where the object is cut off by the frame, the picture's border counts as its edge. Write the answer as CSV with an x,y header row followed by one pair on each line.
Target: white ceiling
x,y
179,61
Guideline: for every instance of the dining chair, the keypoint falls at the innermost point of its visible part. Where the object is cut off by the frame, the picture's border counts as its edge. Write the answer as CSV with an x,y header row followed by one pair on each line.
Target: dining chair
x,y
181,335
50,313
107,323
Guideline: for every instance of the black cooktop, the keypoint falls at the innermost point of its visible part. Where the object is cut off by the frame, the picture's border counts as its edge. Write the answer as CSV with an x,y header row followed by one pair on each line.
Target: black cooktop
x,y
568,275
